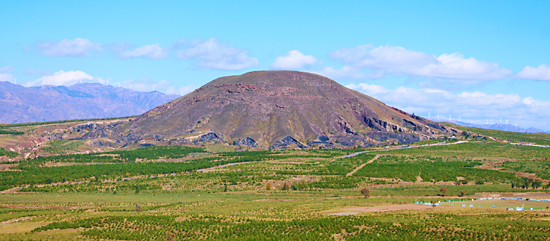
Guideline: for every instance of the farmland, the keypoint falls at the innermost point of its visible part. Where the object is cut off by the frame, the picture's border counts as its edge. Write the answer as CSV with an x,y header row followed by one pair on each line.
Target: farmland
x,y
222,192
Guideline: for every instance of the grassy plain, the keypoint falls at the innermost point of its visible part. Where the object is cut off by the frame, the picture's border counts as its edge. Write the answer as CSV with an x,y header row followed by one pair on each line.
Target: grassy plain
x,y
222,192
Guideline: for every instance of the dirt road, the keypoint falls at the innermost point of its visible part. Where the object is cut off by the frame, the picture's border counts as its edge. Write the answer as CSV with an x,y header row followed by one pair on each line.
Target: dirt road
x,y
403,147
361,166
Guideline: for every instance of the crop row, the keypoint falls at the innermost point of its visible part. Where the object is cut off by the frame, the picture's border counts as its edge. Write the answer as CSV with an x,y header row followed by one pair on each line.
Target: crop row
x,y
394,226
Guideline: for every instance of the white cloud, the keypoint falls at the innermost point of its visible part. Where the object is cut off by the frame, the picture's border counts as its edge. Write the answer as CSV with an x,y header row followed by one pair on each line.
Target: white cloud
x,y
384,57
347,72
68,48
64,78
182,90
153,51
214,55
537,73
5,74
384,60
164,86
6,77
474,106
68,78
294,59
6,69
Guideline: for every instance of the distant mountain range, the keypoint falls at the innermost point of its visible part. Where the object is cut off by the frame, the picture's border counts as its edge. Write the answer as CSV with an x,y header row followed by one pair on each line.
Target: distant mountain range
x,y
500,127
19,104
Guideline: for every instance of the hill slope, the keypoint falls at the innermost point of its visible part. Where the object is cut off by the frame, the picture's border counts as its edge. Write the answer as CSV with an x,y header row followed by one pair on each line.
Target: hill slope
x,y
281,109
20,104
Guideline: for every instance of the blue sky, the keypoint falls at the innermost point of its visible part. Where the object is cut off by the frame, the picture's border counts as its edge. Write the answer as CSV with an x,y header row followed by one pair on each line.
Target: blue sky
x,y
480,60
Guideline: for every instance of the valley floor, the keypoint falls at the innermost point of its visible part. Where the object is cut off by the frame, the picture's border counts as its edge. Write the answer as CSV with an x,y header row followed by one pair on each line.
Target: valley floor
x,y
475,190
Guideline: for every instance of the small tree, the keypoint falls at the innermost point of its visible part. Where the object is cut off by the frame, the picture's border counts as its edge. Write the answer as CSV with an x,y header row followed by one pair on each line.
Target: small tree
x,y
462,193
365,191
225,189
443,191
137,189
269,186
536,184
170,236
286,186
138,208
526,184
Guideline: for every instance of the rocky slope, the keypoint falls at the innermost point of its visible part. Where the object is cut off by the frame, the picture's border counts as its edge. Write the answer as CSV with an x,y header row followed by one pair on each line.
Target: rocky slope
x,y
279,109
20,104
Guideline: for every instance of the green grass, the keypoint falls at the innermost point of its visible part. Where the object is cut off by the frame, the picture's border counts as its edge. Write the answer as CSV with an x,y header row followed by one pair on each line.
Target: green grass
x,y
476,150
539,167
62,146
431,169
4,152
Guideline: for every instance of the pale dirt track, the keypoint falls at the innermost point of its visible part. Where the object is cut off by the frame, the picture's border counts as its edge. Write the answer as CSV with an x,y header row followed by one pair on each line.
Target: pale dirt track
x,y
403,147
361,166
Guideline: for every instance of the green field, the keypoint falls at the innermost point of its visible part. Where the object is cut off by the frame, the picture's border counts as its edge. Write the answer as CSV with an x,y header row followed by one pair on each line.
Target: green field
x,y
215,192
537,138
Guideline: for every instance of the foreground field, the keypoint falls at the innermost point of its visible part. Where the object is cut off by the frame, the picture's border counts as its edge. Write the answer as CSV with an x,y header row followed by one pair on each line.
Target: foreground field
x,y
253,216
445,192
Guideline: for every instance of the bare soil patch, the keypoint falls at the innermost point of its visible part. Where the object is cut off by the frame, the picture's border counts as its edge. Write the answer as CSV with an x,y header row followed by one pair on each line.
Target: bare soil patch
x,y
6,167
20,227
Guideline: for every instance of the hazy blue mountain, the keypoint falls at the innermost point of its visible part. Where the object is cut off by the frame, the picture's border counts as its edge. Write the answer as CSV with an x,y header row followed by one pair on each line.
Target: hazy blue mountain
x,y
500,127
19,104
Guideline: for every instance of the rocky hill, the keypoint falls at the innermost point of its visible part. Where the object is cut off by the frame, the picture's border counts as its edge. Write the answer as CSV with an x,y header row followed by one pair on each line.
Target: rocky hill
x,y
279,109
20,104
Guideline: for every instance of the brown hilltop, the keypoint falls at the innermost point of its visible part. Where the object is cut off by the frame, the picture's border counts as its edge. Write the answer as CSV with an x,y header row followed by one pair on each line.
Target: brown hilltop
x,y
278,108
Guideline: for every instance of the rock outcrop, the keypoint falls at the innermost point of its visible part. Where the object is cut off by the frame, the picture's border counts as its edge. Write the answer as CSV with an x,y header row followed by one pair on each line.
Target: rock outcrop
x,y
280,109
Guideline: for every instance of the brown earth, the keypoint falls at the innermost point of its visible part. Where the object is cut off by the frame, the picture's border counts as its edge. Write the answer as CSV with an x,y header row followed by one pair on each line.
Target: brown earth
x,y
281,109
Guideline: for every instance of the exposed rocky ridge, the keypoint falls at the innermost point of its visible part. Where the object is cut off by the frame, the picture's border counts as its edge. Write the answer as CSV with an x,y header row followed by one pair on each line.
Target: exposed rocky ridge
x,y
281,109
20,104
